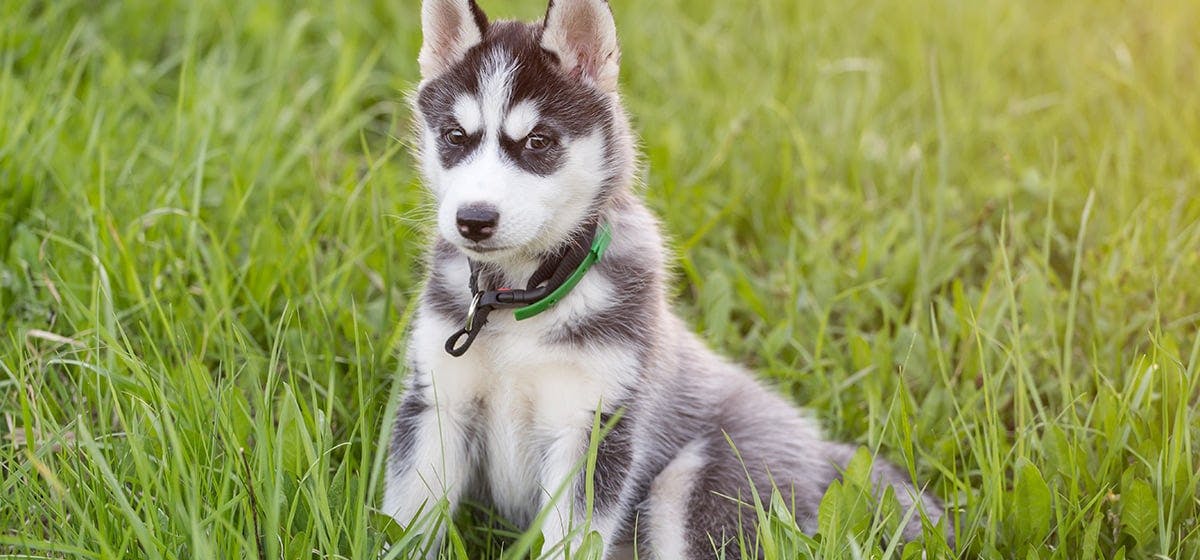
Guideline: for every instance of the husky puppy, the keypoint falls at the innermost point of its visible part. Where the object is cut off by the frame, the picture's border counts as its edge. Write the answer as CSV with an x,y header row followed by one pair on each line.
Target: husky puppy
x,y
524,144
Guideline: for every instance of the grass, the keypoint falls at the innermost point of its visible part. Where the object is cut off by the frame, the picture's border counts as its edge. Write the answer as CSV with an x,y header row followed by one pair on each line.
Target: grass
x,y
966,234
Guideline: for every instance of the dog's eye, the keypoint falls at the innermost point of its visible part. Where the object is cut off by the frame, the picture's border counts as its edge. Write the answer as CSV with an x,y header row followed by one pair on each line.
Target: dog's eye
x,y
455,136
538,142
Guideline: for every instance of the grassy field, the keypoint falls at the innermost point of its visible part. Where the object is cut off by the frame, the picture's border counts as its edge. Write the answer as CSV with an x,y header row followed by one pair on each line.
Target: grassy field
x,y
966,234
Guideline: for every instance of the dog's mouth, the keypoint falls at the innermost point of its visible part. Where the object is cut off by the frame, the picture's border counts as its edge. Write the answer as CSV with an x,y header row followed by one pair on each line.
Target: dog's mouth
x,y
483,249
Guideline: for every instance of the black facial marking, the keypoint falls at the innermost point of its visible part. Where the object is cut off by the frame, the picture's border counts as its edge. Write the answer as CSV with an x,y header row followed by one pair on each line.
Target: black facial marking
x,y
567,108
541,163
436,103
452,151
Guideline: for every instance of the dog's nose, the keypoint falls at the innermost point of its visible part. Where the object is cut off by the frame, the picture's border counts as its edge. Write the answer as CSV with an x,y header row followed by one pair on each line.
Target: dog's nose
x,y
477,222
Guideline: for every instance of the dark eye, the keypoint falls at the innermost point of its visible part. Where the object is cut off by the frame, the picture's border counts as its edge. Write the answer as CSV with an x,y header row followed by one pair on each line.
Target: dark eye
x,y
538,142
455,136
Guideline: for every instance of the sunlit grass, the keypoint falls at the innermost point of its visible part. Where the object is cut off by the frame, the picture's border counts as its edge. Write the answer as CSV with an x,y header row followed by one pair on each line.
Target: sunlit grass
x,y
967,234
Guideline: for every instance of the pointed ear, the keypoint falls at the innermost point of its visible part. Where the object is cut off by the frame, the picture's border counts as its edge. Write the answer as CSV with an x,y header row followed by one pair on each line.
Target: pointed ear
x,y
449,28
583,35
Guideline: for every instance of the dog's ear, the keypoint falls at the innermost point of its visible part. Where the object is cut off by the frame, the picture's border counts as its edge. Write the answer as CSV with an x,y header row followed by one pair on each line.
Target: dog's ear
x,y
449,28
583,35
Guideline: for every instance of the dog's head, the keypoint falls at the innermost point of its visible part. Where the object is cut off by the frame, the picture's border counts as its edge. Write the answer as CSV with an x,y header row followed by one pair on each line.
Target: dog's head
x,y
521,135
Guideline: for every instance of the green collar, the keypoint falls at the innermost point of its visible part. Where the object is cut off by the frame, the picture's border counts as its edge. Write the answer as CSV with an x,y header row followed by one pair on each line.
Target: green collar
x,y
599,244
525,303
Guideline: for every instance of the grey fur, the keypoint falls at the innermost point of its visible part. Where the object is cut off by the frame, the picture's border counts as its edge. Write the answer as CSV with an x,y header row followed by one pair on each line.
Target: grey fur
x,y
405,429
614,461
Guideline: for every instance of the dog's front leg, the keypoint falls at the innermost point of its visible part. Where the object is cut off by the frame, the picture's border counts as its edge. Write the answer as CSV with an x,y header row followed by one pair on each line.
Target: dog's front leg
x,y
566,497
565,514
429,463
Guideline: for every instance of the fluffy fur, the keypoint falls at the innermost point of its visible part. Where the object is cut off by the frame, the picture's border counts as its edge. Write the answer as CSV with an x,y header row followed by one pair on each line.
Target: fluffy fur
x,y
509,422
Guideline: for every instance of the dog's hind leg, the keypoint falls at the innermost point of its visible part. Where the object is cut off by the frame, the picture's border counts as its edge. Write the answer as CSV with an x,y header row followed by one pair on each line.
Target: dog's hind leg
x,y
668,516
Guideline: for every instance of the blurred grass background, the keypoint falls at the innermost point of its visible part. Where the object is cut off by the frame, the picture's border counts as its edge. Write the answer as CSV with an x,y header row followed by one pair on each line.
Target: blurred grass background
x,y
965,233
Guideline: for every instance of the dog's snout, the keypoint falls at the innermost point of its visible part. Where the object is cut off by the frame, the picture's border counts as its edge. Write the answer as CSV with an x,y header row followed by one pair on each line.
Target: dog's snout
x,y
477,221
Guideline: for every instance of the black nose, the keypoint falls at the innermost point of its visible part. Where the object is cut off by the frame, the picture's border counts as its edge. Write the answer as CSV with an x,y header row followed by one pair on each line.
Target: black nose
x,y
477,222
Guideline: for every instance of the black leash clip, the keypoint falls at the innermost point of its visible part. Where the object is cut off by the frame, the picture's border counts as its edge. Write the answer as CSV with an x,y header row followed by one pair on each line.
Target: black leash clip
x,y
477,315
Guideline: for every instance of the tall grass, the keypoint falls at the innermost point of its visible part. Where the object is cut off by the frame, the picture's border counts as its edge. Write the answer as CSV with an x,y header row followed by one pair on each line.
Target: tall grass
x,y
967,234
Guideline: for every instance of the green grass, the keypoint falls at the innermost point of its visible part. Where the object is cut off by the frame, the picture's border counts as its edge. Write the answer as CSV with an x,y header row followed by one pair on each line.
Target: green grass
x,y
964,233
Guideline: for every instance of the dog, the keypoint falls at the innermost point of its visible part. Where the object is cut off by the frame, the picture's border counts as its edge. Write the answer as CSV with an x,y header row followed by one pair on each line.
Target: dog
x,y
545,314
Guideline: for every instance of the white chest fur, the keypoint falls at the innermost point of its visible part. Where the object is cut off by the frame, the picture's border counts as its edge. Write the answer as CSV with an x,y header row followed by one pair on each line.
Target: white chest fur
x,y
515,395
